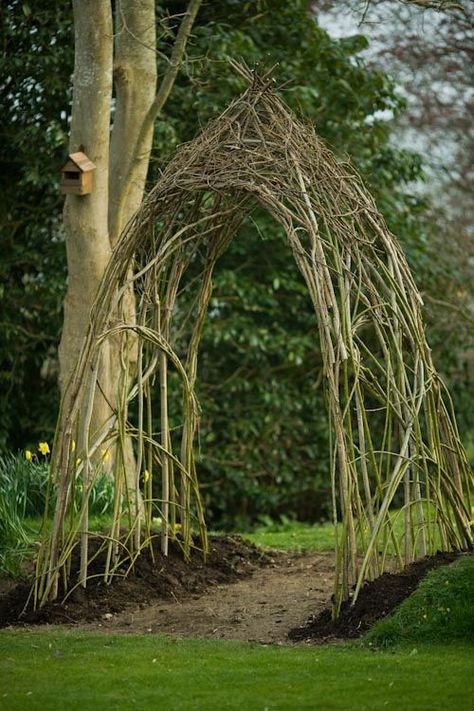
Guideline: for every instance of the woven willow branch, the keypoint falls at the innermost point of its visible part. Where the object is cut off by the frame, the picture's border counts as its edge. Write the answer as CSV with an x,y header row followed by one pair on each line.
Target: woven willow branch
x,y
394,432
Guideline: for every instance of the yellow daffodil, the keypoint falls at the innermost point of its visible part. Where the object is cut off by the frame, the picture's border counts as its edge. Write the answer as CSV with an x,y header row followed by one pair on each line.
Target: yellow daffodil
x,y
78,461
28,455
73,445
44,448
146,476
105,455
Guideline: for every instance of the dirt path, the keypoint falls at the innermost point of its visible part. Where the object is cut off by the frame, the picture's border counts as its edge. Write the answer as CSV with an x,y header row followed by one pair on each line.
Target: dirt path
x,y
240,593
261,608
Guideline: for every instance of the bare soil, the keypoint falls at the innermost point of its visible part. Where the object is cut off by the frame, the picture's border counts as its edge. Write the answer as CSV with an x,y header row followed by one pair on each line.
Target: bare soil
x,y
241,593
376,600
260,608
153,577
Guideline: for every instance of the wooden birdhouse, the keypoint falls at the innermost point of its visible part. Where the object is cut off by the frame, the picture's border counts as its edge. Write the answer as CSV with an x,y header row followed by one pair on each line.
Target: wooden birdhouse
x,y
76,175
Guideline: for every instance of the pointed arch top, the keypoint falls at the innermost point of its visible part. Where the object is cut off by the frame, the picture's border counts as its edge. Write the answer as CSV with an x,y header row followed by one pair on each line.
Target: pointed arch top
x,y
395,436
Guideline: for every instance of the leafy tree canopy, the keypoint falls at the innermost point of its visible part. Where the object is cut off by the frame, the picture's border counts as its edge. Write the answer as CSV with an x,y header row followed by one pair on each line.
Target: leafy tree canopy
x,y
264,434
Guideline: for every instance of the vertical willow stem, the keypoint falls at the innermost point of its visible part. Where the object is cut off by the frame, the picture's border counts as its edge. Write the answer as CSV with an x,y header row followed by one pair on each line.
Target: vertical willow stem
x,y
84,449
393,431
165,437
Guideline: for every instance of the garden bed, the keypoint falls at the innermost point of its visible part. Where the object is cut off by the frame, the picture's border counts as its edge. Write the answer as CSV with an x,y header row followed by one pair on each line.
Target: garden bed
x,y
242,592
230,559
376,600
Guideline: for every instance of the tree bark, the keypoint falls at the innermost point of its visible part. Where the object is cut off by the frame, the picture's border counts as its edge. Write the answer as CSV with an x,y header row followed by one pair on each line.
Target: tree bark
x,y
140,149
88,245
135,88
94,223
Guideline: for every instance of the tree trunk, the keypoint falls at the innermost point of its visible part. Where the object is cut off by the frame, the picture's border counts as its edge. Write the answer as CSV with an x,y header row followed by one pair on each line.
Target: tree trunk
x,y
85,217
135,88
93,223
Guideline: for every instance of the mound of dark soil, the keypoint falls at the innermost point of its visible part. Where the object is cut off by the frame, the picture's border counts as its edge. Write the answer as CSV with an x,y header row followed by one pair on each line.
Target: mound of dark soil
x,y
230,559
376,600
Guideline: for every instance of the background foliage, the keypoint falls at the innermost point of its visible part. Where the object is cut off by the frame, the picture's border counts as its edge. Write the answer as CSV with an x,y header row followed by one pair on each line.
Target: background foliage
x,y
24,488
35,67
264,431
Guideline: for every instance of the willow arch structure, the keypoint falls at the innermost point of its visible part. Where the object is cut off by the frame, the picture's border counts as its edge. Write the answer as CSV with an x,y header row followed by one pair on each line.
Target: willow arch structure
x,y
394,432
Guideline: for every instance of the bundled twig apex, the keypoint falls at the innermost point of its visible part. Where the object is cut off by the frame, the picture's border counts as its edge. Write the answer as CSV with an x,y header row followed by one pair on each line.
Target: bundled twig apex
x,y
400,479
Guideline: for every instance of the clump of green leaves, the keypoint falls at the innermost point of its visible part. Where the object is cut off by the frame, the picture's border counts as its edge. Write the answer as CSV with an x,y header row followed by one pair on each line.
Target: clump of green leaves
x,y
23,492
14,538
439,610
24,484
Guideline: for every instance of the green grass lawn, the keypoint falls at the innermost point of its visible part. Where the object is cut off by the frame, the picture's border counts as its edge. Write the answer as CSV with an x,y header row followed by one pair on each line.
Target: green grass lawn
x,y
66,670
294,536
441,609
45,669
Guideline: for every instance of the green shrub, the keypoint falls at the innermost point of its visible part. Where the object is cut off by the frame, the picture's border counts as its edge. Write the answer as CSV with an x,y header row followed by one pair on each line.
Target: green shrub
x,y
24,483
16,485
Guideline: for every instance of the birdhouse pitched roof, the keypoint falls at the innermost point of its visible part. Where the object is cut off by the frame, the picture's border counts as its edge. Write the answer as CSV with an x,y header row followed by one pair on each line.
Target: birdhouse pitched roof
x,y
81,161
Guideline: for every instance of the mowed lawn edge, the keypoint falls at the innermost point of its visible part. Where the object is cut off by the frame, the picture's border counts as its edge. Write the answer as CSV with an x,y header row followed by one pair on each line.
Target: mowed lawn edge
x,y
77,670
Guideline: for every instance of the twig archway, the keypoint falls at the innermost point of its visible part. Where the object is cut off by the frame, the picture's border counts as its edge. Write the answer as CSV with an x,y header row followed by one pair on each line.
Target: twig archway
x,y
394,432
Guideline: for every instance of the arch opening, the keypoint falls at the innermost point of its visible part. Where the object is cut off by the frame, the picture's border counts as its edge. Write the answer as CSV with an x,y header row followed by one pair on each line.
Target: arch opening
x,y
394,432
